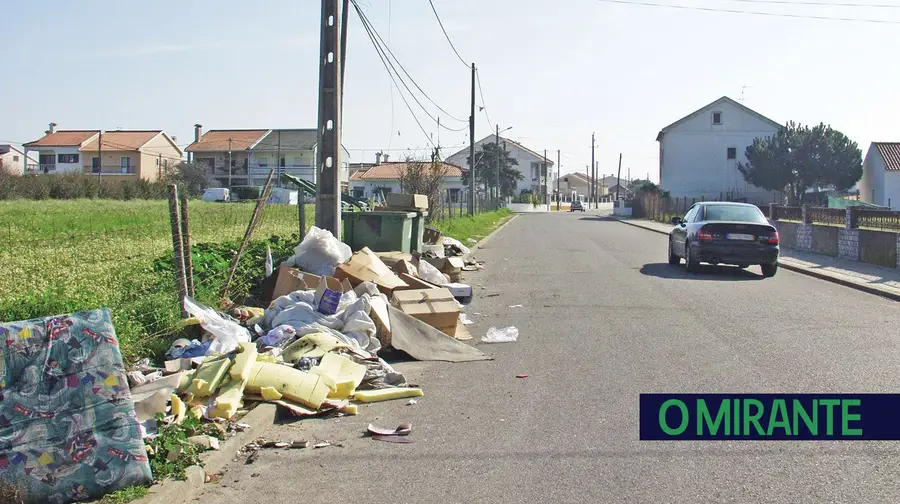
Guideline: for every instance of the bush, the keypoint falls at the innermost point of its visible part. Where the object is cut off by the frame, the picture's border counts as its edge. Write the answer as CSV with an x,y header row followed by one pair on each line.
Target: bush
x,y
69,186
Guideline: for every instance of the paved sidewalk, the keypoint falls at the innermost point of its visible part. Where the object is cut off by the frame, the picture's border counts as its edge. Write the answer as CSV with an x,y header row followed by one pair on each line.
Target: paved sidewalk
x,y
866,277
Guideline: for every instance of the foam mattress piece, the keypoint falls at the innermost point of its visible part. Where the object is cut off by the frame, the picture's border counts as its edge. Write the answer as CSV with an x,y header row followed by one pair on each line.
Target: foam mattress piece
x,y
68,428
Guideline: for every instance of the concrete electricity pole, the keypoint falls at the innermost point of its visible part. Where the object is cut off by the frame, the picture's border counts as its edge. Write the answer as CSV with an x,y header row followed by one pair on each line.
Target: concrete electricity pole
x,y
230,169
328,151
558,176
619,178
472,148
544,185
497,179
593,172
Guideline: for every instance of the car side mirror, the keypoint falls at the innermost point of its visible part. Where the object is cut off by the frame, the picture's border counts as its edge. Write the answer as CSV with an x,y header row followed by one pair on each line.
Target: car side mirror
x,y
676,220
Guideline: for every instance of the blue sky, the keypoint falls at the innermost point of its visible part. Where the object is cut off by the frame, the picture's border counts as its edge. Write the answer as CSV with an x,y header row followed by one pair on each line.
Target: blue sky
x,y
554,71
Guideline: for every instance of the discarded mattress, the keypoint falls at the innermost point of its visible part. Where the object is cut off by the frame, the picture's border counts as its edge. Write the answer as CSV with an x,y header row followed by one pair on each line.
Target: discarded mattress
x,y
68,429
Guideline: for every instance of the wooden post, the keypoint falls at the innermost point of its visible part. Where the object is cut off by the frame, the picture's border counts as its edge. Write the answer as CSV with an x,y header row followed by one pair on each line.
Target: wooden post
x,y
177,248
254,220
186,245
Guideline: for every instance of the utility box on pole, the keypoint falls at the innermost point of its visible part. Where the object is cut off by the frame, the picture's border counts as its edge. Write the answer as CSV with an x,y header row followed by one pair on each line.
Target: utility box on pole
x,y
328,147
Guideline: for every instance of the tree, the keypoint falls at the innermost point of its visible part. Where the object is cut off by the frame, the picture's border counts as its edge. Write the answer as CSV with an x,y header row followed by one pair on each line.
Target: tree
x,y
193,177
424,177
486,169
798,157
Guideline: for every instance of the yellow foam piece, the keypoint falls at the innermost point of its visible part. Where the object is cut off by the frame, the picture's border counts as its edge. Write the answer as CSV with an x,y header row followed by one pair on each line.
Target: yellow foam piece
x,y
198,411
209,376
270,394
313,345
274,359
343,390
340,370
178,408
228,401
243,361
305,388
387,394
351,409
184,381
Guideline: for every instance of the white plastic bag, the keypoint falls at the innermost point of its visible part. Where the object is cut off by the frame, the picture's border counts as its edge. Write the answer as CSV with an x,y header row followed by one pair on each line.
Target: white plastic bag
x,y
270,267
429,273
438,250
453,241
505,335
226,334
320,252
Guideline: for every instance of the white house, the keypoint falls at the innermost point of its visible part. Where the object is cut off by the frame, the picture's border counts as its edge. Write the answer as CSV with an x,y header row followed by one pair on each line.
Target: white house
x,y
252,153
13,160
385,178
880,182
699,153
530,164
60,151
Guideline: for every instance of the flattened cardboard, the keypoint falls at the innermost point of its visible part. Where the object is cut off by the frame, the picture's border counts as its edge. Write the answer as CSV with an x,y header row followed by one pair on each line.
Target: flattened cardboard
x,y
391,258
425,343
414,283
328,294
407,201
365,266
407,267
435,307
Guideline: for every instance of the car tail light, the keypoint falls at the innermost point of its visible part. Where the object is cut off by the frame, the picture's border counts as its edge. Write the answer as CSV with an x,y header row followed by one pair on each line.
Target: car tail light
x,y
704,235
774,239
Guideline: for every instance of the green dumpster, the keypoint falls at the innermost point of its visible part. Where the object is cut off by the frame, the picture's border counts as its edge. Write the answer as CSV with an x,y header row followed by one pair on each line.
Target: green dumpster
x,y
383,231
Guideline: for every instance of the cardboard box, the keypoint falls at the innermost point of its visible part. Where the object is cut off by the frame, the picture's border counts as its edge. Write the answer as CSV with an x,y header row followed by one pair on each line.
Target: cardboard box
x,y
432,236
450,266
365,266
392,258
406,267
435,307
462,292
286,280
414,283
408,201
329,293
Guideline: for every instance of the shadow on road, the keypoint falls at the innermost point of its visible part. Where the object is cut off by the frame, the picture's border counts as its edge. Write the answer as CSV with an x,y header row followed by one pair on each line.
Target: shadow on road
x,y
707,272
598,218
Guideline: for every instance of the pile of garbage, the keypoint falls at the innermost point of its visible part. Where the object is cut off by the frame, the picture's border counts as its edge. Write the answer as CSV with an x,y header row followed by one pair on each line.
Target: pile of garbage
x,y
314,350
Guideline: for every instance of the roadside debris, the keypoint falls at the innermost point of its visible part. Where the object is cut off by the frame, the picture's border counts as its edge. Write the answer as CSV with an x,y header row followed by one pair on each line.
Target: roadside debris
x,y
400,430
504,335
522,375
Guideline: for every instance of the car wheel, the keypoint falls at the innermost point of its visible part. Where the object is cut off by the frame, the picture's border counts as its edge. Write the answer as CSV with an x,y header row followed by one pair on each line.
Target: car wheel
x,y
673,257
690,264
769,270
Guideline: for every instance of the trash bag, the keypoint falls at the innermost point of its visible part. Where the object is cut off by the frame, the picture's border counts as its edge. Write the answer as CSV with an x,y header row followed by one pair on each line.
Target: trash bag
x,y
456,243
319,253
429,273
226,334
437,251
270,267
505,335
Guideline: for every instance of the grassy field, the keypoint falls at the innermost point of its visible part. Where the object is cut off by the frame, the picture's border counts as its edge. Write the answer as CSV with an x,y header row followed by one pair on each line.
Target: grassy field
x,y
64,256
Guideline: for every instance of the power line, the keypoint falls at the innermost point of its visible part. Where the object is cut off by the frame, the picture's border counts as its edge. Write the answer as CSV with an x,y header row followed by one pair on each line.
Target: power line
x,y
483,104
446,35
384,46
754,13
384,62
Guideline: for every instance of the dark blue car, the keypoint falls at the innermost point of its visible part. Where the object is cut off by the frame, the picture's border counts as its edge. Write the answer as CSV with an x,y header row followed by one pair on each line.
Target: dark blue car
x,y
724,233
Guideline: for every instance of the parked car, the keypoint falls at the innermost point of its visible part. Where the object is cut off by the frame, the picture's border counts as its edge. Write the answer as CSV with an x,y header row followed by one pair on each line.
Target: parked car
x,y
724,233
577,206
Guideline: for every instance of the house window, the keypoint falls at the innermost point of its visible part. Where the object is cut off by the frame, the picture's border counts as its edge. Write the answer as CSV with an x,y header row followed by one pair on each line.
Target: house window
x,y
95,165
535,170
67,158
263,163
357,191
125,164
15,158
717,118
732,153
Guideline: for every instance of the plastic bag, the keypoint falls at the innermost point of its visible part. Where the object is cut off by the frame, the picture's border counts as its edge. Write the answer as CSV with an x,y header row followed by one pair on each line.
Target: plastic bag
x,y
429,273
279,335
438,250
226,334
270,267
456,243
319,252
505,335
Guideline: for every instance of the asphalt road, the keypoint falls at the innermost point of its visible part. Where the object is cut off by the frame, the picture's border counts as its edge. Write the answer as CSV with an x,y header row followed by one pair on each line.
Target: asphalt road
x,y
604,318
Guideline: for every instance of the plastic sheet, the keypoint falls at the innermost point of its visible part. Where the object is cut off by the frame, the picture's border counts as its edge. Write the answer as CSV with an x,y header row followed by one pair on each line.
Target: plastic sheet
x,y
319,253
458,244
429,273
504,335
226,334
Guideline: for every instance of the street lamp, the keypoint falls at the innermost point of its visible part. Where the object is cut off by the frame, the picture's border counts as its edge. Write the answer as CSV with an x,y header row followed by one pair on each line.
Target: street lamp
x,y
497,179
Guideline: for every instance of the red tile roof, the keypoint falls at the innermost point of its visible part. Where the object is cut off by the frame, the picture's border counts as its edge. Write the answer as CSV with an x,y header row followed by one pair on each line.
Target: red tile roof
x,y
65,138
390,171
217,140
122,140
890,153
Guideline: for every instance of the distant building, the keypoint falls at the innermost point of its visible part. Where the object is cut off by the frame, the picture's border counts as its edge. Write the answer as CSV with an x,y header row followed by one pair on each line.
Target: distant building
x,y
880,182
385,178
14,162
699,153
530,164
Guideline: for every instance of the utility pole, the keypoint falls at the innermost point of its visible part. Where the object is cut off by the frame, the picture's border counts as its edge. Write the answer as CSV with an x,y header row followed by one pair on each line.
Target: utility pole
x,y
328,164
497,171
593,172
280,169
619,178
472,148
99,158
558,176
230,169
544,177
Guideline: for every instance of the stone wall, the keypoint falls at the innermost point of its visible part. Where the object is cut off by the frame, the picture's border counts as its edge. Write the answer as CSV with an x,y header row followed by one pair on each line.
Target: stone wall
x,y
848,244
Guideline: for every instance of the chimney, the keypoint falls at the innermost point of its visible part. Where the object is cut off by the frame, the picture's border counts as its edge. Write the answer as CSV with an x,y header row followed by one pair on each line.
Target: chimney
x,y
52,129
385,158
377,158
175,139
198,132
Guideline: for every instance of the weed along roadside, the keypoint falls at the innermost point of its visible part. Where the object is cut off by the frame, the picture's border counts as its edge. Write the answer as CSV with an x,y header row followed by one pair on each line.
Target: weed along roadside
x,y
169,358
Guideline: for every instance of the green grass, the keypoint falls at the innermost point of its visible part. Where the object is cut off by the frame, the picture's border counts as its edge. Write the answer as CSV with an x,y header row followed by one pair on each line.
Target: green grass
x,y
64,256
475,227
124,495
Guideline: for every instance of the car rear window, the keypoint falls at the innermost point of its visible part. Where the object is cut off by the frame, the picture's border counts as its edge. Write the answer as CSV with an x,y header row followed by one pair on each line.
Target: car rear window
x,y
733,213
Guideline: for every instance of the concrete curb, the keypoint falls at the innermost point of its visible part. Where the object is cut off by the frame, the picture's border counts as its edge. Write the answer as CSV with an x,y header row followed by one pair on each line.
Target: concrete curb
x,y
259,418
804,271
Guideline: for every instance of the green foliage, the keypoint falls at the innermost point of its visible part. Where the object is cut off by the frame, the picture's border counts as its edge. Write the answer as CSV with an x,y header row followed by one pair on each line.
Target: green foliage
x,y
486,169
798,157
475,227
125,495
528,197
171,452
70,186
